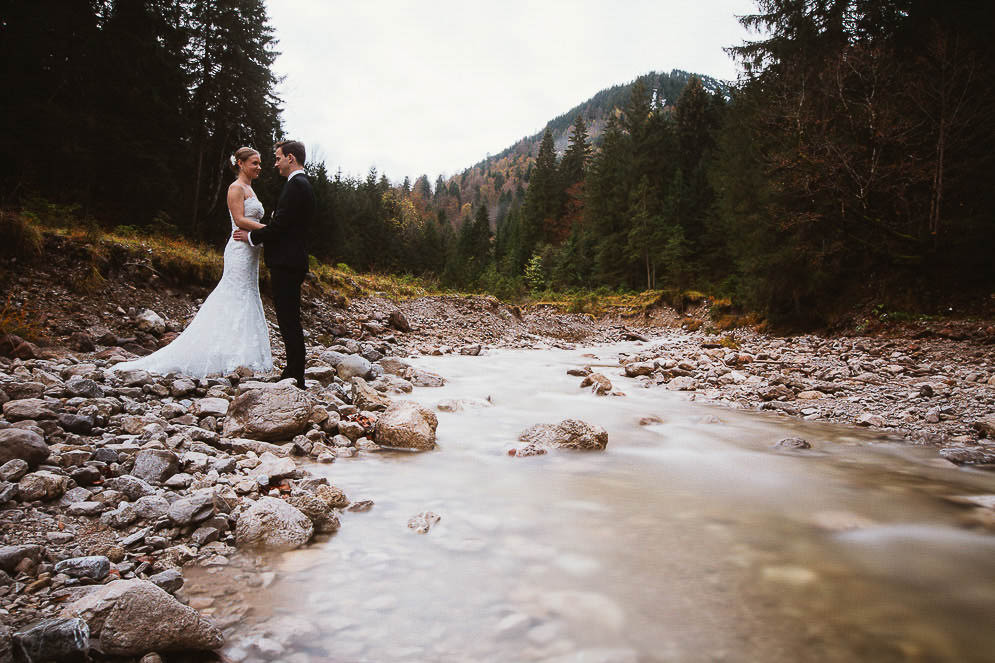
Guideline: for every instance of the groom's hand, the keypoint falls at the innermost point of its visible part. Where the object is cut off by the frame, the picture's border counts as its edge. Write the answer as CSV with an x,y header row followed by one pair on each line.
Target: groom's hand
x,y
241,235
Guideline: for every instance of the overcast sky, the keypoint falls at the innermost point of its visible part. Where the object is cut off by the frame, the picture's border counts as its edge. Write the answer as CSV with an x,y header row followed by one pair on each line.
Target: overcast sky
x,y
435,86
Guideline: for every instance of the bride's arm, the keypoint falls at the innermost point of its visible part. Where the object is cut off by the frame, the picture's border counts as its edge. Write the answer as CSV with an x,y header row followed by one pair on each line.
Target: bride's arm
x,y
236,205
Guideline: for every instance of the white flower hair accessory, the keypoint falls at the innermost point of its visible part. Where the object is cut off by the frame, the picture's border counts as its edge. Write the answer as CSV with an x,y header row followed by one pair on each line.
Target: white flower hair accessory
x,y
232,159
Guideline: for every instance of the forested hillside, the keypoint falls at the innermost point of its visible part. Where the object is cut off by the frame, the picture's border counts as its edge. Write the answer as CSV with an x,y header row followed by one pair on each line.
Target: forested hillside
x,y
852,160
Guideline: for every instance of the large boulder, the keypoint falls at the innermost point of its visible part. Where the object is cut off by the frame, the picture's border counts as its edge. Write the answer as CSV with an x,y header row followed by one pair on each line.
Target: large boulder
x,y
23,444
407,425
568,434
155,465
272,523
354,366
276,413
27,408
134,617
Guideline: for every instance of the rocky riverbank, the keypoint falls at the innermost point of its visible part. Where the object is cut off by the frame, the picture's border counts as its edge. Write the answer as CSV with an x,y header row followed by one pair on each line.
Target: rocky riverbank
x,y
937,391
112,484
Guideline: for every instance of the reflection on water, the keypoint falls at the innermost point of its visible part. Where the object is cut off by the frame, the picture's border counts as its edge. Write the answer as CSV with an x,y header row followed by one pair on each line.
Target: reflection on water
x,y
689,540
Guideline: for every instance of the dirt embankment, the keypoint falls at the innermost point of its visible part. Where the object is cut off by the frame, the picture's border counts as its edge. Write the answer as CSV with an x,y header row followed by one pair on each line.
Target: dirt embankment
x,y
931,382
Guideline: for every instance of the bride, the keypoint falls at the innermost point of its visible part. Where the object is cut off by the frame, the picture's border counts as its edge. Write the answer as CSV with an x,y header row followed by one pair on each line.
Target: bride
x,y
230,329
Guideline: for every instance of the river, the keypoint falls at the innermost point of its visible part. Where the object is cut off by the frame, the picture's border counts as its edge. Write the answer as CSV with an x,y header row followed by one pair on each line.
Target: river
x,y
688,540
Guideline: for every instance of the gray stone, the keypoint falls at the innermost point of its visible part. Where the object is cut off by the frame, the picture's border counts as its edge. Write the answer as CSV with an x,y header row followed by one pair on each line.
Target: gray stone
x,y
13,470
95,567
83,387
353,366
568,434
120,517
277,413
151,322
274,524
75,423
60,639
23,444
181,387
210,407
870,419
684,383
85,508
11,556
193,508
8,491
170,580
423,522
134,377
320,512
976,455
323,374
131,486
204,535
793,443
420,378
151,507
155,465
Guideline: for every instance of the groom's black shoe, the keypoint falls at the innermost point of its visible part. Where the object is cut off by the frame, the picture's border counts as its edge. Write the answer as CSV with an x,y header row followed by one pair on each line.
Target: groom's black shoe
x,y
298,379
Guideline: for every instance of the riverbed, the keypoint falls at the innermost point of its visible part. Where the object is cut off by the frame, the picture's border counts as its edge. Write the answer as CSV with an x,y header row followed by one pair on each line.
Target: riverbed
x,y
692,539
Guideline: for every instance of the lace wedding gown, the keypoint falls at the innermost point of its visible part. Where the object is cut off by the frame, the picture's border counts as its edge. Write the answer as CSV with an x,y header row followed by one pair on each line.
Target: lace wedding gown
x,y
230,328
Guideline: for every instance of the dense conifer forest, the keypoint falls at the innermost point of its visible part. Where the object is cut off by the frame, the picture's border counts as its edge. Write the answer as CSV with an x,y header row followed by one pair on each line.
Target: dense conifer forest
x,y
852,159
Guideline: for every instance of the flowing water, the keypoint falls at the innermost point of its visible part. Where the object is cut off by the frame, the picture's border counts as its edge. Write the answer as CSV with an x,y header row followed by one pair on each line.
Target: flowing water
x,y
687,540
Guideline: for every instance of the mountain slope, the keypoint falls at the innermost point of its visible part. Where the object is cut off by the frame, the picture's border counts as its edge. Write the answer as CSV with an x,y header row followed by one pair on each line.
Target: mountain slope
x,y
498,179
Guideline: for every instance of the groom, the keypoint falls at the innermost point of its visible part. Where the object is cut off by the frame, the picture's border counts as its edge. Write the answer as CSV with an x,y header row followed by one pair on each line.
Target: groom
x,y
284,243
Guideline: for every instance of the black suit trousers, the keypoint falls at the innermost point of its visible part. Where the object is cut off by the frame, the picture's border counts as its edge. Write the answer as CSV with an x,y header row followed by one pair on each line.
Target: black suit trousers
x,y
286,283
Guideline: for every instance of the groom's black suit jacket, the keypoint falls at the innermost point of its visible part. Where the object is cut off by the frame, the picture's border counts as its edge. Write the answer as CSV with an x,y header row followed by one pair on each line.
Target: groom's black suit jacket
x,y
284,240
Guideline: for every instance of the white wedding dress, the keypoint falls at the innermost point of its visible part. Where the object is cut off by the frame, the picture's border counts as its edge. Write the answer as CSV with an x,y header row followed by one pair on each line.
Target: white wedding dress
x,y
230,328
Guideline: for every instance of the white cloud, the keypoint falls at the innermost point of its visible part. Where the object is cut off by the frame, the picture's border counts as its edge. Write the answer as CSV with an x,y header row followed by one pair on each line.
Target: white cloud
x,y
433,87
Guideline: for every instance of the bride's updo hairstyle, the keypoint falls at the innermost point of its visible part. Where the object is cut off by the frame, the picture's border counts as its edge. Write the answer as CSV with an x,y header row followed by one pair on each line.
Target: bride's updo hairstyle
x,y
241,154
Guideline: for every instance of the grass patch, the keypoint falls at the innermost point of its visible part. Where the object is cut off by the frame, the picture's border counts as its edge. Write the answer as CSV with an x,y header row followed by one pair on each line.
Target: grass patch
x,y
20,321
20,235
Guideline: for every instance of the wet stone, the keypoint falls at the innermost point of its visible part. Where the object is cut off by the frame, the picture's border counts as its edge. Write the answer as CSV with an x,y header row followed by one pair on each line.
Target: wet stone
x,y
63,640
793,443
95,568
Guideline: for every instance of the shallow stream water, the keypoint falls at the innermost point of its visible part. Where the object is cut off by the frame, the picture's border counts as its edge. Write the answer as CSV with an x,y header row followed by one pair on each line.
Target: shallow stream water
x,y
689,540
